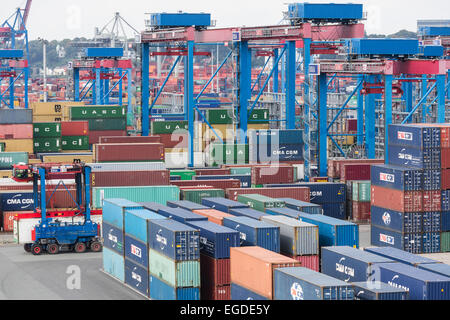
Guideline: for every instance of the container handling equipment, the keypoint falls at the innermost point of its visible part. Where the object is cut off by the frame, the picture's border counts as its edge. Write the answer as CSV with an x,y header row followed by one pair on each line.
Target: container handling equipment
x,y
52,235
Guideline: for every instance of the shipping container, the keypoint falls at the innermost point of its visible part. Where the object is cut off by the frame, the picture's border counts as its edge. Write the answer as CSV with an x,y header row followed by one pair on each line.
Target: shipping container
x,y
432,201
136,223
410,242
215,240
126,166
334,170
16,116
47,145
97,112
75,143
187,205
18,145
245,181
229,154
275,137
213,215
159,290
114,211
136,251
445,158
130,178
310,262
432,221
395,177
248,212
296,238
222,204
74,128
332,12
259,202
113,238
407,201
216,184
46,130
64,158
302,206
9,159
240,293
180,215
323,192
421,284
153,206
94,136
438,268
16,131
174,240
130,139
361,191
377,290
305,284
336,210
168,127
401,256
114,264
298,193
415,158
197,195
255,233
445,219
184,174
136,277
444,176
350,264
275,174
431,242
214,271
253,268
445,200
432,179
413,136
129,152
210,293
16,201
355,172
445,241
174,140
409,222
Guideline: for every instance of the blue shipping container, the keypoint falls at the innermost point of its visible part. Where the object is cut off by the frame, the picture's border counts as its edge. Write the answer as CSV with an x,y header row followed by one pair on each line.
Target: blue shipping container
x,y
180,19
445,199
431,242
255,233
332,232
175,240
215,240
439,268
270,153
153,206
11,54
350,264
326,11
136,277
410,222
113,238
160,290
432,180
136,223
409,135
103,52
114,264
398,178
248,212
275,137
384,47
431,222
187,205
306,284
302,206
401,256
246,180
181,215
114,211
377,290
11,202
445,216
416,158
222,204
410,242
240,293
320,192
335,210
421,284
136,251
435,31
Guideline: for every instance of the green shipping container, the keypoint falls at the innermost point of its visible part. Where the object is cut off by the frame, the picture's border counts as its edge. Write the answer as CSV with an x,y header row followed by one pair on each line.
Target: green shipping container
x,y
184,174
158,194
259,116
8,159
107,124
75,143
259,202
176,273
2,146
47,145
219,116
97,112
241,171
445,242
47,130
166,127
197,195
361,191
228,154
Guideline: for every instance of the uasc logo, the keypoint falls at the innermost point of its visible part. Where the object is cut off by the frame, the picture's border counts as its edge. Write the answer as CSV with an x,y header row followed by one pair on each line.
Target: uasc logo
x,y
297,292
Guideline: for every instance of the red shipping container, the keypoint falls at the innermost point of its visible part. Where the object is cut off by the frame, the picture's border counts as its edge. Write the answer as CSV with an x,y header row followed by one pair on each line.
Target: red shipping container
x,y
16,131
94,136
61,199
432,201
334,165
355,172
352,125
221,293
275,174
130,178
361,211
408,201
196,188
171,141
128,139
219,184
215,272
212,172
129,152
445,179
310,262
445,158
8,221
75,128
297,193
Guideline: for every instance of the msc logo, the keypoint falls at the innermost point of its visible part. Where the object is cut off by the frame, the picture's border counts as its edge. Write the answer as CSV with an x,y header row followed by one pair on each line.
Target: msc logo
x,y
387,177
405,136
297,292
387,239
136,251
386,218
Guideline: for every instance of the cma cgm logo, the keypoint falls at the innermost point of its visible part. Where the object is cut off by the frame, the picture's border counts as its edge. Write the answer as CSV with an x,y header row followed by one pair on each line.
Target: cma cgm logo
x,y
297,292
405,136
136,251
386,218
387,239
387,177
340,267
316,193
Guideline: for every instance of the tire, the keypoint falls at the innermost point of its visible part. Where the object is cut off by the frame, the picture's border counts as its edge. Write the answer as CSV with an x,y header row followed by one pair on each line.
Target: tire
x,y
80,247
96,246
53,248
36,249
27,247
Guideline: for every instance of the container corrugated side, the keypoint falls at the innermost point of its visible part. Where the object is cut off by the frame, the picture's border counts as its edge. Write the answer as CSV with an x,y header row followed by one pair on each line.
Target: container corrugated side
x,y
409,242
136,251
299,193
302,206
181,215
136,223
215,271
114,211
248,212
223,204
378,291
136,277
114,264
404,222
113,238
126,166
187,205
8,159
241,293
159,290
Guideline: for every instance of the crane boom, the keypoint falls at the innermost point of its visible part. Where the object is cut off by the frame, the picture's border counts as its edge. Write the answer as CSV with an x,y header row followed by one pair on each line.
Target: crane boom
x,y
26,14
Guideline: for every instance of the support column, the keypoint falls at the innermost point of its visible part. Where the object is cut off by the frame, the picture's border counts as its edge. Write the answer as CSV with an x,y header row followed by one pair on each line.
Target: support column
x,y
387,113
448,81
424,91
441,98
323,125
11,92
120,87
276,72
360,117
244,90
26,75
129,90
76,83
409,97
106,90
370,122
290,84
98,87
145,89
189,100
306,109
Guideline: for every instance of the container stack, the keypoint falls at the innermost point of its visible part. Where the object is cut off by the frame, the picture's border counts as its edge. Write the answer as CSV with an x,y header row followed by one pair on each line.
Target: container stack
x,y
52,111
75,136
227,154
409,194
222,123
16,130
173,134
360,201
47,137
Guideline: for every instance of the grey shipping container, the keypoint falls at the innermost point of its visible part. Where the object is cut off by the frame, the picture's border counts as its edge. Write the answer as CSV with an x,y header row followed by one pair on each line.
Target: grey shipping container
x,y
223,204
248,212
187,205
16,116
302,206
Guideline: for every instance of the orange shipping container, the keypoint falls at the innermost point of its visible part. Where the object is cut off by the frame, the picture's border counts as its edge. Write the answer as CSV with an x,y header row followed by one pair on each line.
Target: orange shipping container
x,y
253,268
214,216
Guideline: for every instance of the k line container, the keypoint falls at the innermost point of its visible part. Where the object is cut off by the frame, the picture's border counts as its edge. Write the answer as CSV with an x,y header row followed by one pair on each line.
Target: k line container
x,y
410,242
129,152
378,291
180,215
240,293
302,206
253,268
421,284
114,211
255,233
113,238
350,264
410,222
136,223
248,212
114,264
215,240
136,277
401,256
408,201
298,193
273,153
332,232
305,284
175,240
259,202
130,178
395,177
222,204
159,290
187,205
175,273
296,238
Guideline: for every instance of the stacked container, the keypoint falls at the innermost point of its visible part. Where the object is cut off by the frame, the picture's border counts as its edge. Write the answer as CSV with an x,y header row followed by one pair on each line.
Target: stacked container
x,y
220,154
52,111
47,137
16,130
75,136
360,201
135,152
298,193
259,202
409,194
196,195
173,134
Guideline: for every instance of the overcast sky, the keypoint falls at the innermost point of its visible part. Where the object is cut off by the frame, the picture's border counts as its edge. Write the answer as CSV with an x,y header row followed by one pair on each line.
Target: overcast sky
x,y
62,19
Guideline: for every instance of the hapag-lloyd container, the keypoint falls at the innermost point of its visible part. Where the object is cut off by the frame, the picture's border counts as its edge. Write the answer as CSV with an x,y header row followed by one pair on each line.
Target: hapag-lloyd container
x,y
187,205
298,193
174,240
255,233
246,180
320,192
259,202
377,290
409,222
74,128
414,136
130,139
332,232
136,250
222,204
130,178
215,240
159,290
421,284
126,166
181,215
136,223
305,284
248,212
296,238
275,174
302,206
114,211
415,158
114,264
136,277
213,215
401,256
253,268
350,264
215,271
129,152
395,177
408,201
16,131
113,238
240,293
